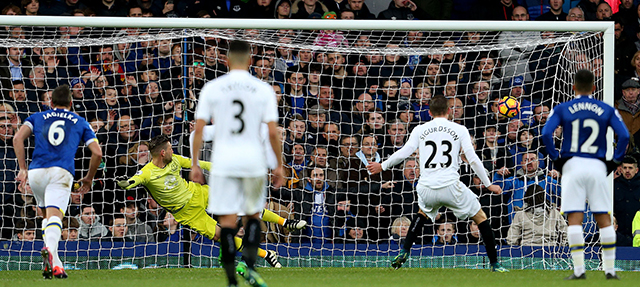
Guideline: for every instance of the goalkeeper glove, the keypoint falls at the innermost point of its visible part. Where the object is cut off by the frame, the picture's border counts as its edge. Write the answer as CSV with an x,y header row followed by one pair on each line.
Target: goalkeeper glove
x,y
123,181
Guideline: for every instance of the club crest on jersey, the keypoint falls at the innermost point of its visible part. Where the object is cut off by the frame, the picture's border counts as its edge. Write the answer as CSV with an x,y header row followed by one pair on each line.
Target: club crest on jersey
x,y
170,181
139,172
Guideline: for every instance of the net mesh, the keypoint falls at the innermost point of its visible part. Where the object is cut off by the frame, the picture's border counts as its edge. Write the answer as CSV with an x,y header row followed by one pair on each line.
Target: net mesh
x,y
345,98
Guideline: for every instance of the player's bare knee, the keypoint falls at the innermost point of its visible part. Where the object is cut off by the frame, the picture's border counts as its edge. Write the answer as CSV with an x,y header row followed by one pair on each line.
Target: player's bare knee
x,y
479,217
603,220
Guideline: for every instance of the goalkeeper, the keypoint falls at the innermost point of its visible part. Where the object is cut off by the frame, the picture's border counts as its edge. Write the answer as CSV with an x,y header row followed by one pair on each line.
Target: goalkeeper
x,y
187,200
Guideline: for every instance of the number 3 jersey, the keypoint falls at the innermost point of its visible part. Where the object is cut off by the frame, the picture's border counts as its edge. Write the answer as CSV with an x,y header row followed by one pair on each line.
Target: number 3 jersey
x,y
58,133
237,103
584,121
439,142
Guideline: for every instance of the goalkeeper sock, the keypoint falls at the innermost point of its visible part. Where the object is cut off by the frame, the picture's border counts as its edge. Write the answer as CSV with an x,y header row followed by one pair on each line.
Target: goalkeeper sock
x,y
228,251
52,236
608,243
576,245
489,241
261,252
415,229
270,216
251,242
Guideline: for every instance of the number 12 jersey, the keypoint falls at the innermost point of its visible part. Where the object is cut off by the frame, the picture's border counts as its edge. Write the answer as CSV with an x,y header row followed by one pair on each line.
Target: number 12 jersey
x,y
237,103
58,134
584,121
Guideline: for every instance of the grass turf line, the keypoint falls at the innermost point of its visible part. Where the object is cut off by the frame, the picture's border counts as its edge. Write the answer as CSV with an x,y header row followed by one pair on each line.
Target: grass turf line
x,y
321,277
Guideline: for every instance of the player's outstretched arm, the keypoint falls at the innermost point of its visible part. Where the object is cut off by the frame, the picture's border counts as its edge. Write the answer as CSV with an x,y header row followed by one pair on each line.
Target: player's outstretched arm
x,y
274,138
196,174
475,162
398,156
18,146
94,163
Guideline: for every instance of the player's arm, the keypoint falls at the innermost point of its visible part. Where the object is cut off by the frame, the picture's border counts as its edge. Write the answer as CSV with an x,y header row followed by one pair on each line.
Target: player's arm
x,y
398,156
18,146
196,174
208,132
270,117
547,134
141,177
622,132
274,139
186,162
94,163
476,163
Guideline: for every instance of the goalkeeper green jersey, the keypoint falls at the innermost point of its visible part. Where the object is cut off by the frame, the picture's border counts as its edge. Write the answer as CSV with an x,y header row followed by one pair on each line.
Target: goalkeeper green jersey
x,y
166,185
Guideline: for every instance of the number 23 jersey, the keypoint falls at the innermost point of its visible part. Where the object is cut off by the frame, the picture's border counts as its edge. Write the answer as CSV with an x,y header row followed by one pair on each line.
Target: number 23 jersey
x,y
439,142
237,103
58,134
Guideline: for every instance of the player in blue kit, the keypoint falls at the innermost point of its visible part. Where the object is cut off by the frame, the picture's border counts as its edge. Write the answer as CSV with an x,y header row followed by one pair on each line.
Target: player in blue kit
x,y
58,133
584,121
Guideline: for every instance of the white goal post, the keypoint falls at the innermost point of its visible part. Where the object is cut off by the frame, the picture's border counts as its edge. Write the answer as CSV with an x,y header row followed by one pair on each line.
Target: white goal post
x,y
180,29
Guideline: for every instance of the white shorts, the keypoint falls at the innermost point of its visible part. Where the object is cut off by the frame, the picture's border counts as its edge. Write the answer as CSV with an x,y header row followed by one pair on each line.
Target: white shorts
x,y
51,187
585,180
457,197
236,195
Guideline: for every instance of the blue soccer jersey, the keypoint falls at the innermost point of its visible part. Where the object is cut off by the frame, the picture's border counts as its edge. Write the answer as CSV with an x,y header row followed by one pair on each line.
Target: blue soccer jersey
x,y
58,133
584,121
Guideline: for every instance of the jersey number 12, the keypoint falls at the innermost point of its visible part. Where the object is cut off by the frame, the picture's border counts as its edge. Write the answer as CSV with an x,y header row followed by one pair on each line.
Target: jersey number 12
x,y
587,146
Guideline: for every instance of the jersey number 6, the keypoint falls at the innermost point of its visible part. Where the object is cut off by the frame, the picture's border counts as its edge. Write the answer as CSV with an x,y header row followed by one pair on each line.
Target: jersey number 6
x,y
56,133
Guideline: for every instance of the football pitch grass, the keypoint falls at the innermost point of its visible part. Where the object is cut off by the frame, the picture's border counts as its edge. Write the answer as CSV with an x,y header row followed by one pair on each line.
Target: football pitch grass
x,y
324,277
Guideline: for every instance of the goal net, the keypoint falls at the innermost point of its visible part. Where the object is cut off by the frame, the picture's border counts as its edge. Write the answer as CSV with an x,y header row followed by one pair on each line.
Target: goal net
x,y
346,97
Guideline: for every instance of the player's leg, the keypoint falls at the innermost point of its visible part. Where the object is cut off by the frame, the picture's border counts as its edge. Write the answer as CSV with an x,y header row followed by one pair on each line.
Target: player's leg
x,y
429,206
224,200
56,199
576,244
488,237
254,202
608,243
574,197
600,202
291,224
464,204
38,184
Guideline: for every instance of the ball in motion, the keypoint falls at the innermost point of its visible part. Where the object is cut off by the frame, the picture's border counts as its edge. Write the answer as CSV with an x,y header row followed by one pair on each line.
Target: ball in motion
x,y
509,107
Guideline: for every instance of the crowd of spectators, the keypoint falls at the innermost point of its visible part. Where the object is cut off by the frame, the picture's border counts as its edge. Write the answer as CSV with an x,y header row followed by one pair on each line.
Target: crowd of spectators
x,y
338,112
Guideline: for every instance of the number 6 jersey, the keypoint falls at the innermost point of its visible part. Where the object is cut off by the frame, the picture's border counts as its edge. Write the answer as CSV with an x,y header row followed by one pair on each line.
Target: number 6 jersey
x,y
439,142
58,133
237,103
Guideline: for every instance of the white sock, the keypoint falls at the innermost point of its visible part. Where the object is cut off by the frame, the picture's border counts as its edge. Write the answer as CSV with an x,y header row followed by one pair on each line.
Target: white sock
x,y
608,243
576,246
44,225
52,233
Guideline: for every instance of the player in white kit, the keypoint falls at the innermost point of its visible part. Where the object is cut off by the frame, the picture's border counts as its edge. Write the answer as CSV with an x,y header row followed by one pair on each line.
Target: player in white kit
x,y
439,143
238,104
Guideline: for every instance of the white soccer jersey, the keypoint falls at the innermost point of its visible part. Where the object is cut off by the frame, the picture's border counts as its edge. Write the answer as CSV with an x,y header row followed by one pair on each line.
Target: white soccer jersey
x,y
238,103
439,142
209,131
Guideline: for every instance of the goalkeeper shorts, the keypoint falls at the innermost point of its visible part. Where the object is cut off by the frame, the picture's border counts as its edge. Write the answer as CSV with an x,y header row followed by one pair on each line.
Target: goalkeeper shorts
x,y
194,213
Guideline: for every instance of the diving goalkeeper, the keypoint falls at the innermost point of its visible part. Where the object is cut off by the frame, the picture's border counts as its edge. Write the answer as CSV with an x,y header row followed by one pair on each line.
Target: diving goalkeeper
x,y
187,200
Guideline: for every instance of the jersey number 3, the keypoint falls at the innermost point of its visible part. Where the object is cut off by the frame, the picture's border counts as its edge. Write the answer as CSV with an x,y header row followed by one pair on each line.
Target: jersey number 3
x,y
56,133
239,116
446,152
587,146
